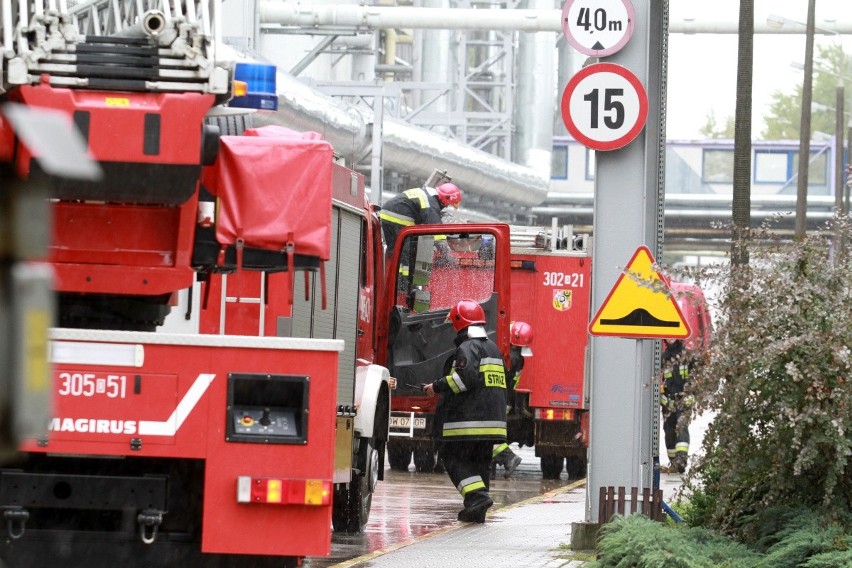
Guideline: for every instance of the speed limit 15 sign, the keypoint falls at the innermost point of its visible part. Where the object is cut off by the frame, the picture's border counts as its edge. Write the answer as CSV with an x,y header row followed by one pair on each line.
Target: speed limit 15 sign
x,y
604,106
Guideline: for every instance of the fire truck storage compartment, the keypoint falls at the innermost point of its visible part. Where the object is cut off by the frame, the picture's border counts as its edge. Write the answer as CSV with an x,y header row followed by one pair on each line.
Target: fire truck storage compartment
x,y
274,188
339,319
267,409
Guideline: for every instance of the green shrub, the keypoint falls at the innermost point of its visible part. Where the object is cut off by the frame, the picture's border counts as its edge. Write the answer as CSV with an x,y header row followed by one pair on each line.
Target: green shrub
x,y
773,485
699,508
776,377
781,538
637,542
793,537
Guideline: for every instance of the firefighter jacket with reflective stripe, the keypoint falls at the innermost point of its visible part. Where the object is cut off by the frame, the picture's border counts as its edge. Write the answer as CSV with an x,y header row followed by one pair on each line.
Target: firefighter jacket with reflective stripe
x,y
676,366
412,207
474,392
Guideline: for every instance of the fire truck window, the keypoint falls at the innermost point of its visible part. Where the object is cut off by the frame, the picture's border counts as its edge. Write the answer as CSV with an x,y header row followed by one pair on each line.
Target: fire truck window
x,y
465,243
435,272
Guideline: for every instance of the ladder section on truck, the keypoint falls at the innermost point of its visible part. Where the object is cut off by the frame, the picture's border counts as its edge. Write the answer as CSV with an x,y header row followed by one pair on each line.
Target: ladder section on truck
x,y
554,238
151,46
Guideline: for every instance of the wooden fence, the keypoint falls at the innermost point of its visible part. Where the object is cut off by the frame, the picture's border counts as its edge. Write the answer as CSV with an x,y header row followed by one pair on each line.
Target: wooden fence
x,y
614,501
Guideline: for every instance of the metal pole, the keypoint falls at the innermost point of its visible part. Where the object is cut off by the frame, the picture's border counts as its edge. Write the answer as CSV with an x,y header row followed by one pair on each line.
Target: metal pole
x,y
377,167
838,154
848,166
741,199
805,128
838,164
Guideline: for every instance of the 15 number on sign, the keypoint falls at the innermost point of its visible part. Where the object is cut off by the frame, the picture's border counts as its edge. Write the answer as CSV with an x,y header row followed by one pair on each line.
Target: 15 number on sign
x,y
610,105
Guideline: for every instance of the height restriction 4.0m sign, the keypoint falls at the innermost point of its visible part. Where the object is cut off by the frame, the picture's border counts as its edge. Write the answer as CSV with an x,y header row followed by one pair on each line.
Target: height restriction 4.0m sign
x,y
598,27
604,106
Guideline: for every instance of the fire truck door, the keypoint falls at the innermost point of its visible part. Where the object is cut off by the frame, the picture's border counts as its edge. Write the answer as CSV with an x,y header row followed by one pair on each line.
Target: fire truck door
x,y
434,273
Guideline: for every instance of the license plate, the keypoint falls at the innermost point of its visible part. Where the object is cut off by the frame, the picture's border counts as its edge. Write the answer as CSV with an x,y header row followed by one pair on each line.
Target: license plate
x,y
405,422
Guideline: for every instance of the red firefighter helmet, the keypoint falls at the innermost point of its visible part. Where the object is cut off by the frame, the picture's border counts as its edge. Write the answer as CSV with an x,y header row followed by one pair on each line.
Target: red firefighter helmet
x,y
521,335
449,194
466,313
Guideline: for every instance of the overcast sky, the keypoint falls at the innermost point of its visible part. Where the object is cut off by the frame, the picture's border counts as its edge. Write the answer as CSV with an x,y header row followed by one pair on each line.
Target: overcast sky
x,y
703,67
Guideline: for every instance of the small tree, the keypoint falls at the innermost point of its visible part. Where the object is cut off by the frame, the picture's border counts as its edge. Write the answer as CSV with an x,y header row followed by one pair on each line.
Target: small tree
x,y
712,129
777,377
785,111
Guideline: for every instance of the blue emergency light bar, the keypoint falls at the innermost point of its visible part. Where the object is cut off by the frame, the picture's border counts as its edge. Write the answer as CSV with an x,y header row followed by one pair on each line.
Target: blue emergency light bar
x,y
260,80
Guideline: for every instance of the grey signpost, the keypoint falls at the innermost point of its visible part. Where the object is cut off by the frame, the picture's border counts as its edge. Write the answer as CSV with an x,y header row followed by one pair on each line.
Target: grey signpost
x,y
628,213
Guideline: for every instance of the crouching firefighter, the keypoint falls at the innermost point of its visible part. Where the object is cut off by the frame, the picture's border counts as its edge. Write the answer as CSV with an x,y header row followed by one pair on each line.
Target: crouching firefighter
x,y
474,409
520,338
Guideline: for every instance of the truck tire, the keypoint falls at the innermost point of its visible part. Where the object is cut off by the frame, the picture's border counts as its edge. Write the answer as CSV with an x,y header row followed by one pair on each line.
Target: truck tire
x,y
551,466
576,467
351,509
399,455
424,457
232,124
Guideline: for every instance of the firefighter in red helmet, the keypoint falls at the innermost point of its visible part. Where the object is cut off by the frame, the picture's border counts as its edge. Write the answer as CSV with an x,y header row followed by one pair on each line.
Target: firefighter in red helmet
x,y
474,415
449,195
520,337
418,206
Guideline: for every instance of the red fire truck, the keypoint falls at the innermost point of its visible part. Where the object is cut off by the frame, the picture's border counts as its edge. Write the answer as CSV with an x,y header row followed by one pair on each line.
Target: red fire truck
x,y
245,439
551,290
548,282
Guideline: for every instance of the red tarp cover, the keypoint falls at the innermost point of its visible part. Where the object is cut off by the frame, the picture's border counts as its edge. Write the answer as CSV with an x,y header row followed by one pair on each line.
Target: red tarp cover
x,y
272,182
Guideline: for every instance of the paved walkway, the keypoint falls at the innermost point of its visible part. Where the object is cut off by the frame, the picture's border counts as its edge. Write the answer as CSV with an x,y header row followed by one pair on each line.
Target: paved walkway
x,y
527,534
535,533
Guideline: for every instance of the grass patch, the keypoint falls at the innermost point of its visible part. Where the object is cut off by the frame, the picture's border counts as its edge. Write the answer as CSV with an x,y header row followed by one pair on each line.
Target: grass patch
x,y
565,552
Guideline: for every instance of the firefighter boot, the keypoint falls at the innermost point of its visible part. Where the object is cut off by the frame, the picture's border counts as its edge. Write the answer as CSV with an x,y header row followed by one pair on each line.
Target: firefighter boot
x,y
476,504
498,457
511,463
679,462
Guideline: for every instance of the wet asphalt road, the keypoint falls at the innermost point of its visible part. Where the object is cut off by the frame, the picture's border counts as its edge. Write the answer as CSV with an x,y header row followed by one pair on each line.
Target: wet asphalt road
x,y
407,505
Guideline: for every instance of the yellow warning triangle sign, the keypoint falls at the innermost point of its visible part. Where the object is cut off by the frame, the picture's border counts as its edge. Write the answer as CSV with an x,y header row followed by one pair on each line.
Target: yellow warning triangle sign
x,y
640,304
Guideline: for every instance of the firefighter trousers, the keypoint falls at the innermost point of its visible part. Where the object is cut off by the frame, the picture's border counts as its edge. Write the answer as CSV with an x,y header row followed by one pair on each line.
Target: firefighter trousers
x,y
676,429
469,466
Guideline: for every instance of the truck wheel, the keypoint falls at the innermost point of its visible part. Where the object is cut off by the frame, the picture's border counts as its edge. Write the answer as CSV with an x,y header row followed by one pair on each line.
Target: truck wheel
x,y
424,458
399,455
351,509
232,124
576,467
551,467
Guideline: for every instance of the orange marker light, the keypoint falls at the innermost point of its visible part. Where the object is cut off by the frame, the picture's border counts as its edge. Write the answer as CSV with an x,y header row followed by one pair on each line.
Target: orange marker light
x,y
317,492
555,414
240,88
